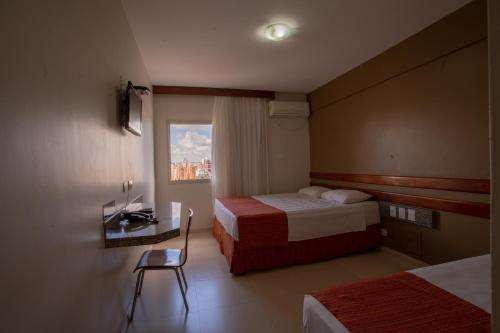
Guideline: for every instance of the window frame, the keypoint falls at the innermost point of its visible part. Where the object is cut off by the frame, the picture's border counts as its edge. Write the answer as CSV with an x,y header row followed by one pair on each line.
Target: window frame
x,y
169,156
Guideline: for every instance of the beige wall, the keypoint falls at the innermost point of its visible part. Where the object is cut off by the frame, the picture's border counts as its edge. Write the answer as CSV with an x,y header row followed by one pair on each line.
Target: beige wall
x,y
289,157
418,109
63,156
197,196
494,61
288,153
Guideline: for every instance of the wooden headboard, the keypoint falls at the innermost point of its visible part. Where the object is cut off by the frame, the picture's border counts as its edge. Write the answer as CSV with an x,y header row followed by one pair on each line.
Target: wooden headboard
x,y
478,209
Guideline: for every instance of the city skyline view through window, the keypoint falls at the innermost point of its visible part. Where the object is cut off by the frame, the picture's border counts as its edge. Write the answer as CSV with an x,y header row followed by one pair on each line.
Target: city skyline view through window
x,y
190,152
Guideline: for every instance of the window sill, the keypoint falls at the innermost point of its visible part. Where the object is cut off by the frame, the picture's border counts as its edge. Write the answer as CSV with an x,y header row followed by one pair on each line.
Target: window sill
x,y
191,181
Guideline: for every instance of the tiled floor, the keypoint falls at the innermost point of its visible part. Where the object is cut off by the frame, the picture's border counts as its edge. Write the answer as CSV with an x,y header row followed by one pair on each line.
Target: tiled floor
x,y
266,301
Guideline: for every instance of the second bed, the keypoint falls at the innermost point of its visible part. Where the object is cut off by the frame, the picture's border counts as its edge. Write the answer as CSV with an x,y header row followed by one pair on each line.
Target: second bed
x,y
451,297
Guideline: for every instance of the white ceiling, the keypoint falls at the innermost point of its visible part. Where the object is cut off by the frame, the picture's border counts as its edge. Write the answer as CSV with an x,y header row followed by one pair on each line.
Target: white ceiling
x,y
219,43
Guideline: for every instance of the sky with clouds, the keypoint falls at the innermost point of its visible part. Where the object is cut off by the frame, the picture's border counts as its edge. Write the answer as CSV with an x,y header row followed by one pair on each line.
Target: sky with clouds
x,y
193,142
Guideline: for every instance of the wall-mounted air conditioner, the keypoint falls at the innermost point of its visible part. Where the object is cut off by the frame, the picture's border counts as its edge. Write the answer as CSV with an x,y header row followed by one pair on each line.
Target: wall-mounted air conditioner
x,y
288,109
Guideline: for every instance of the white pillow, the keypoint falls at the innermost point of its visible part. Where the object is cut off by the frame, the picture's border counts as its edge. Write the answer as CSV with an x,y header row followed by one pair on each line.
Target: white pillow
x,y
345,196
314,191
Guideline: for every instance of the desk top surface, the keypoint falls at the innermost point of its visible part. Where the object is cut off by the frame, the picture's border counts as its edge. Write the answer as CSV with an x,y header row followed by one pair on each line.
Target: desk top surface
x,y
119,231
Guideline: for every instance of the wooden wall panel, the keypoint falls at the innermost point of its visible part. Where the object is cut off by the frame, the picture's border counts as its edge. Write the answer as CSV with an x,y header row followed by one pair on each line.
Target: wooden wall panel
x,y
173,90
420,109
448,184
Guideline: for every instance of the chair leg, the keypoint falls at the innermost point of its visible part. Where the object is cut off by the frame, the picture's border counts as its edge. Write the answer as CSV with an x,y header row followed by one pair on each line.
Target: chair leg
x,y
184,278
142,280
182,289
136,292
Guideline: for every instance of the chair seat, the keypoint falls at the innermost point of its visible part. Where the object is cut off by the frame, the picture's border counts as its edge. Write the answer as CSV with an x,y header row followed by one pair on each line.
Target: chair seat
x,y
158,259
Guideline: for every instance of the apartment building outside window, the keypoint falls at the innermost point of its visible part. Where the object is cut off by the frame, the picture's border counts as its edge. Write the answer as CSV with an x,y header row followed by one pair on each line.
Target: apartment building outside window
x,y
190,146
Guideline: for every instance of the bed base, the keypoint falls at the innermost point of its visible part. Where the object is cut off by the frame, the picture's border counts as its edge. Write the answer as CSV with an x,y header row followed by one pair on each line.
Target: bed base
x,y
296,252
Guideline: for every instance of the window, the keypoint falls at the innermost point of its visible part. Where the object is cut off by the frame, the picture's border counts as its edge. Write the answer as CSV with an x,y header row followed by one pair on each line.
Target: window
x,y
190,151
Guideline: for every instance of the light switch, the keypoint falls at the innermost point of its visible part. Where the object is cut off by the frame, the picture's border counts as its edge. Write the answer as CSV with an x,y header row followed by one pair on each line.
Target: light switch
x,y
402,213
411,214
393,211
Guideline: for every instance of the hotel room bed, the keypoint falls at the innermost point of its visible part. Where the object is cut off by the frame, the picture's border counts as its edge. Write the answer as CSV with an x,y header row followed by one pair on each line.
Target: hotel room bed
x,y
451,297
283,229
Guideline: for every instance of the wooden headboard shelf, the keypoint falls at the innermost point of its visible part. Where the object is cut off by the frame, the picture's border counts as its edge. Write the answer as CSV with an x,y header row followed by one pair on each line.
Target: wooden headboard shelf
x,y
478,209
448,184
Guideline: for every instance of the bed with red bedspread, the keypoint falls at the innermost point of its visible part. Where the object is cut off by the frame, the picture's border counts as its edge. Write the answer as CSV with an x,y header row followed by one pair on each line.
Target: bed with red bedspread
x,y
267,231
454,297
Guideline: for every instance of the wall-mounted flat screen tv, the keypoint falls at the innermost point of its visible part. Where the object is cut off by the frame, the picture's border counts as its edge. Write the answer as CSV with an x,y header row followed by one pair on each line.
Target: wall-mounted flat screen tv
x,y
132,110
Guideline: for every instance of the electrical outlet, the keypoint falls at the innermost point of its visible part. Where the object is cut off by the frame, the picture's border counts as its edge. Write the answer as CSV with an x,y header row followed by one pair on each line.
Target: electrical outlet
x,y
384,232
402,213
411,214
392,211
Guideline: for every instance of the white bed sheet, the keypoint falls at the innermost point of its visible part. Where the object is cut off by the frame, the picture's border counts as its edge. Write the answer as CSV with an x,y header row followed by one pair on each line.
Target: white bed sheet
x,y
309,217
469,279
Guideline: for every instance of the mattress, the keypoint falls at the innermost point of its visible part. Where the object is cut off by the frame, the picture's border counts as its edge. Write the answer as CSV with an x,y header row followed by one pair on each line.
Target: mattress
x,y
468,279
309,217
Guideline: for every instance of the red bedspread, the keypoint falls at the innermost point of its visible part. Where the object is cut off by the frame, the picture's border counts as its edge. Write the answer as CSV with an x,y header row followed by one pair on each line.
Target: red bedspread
x,y
402,302
259,225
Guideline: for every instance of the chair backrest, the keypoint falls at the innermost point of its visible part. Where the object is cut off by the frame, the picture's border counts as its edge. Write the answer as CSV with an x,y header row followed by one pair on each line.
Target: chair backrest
x,y
185,250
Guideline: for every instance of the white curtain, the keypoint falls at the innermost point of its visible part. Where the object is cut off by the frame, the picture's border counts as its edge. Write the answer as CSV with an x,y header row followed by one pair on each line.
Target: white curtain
x,y
240,155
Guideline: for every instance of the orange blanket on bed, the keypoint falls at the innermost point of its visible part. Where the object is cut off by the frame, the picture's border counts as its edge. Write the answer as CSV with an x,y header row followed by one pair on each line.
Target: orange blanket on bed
x,y
402,302
259,225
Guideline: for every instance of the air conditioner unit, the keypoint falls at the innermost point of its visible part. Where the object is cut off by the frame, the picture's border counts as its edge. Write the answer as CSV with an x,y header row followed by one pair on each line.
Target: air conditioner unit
x,y
288,109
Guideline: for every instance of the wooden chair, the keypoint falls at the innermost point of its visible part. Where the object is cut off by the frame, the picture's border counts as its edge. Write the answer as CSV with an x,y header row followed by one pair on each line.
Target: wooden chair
x,y
171,259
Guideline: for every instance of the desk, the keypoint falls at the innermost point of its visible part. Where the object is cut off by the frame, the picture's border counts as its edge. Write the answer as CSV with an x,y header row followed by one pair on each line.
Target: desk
x,y
118,233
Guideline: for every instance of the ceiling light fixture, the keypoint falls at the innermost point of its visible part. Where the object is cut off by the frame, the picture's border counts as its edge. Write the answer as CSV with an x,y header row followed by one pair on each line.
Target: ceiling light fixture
x,y
277,31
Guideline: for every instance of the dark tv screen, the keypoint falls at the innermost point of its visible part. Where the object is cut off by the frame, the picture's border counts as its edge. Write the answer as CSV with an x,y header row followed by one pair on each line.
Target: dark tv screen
x,y
133,116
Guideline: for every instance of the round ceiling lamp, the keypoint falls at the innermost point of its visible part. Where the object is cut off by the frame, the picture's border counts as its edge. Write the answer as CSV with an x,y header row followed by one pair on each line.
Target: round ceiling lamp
x,y
277,31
